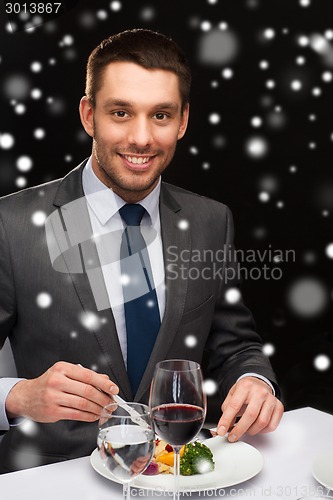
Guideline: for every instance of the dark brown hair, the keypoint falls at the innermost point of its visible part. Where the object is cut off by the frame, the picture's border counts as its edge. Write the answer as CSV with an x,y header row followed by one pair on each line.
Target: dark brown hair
x,y
147,48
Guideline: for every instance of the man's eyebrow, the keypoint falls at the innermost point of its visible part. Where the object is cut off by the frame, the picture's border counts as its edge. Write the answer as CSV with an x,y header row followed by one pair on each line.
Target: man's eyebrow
x,y
167,105
109,103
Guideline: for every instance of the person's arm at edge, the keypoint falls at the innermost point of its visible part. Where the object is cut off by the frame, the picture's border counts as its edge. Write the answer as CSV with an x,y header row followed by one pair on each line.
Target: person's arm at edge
x,y
6,385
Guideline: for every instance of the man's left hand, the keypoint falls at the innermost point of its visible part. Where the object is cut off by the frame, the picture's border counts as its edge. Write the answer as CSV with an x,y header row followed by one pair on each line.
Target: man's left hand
x,y
251,399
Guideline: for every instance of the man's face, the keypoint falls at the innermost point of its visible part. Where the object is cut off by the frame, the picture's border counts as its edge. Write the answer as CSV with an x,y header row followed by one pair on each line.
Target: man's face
x,y
135,125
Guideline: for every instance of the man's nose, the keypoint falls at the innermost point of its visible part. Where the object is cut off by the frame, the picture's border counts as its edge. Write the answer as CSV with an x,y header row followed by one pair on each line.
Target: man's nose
x,y
140,132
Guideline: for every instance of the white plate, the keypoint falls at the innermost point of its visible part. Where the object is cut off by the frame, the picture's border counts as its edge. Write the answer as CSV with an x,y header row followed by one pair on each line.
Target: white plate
x,y
234,463
322,469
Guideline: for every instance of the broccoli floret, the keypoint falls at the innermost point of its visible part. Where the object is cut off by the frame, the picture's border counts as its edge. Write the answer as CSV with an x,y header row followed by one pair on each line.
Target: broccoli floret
x,y
197,459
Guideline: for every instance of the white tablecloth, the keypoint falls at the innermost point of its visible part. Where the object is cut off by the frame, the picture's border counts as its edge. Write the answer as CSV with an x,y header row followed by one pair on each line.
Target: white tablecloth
x,y
288,453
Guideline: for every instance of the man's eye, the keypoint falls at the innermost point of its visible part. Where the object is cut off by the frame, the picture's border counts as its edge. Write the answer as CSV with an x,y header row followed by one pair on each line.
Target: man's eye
x,y
120,114
161,116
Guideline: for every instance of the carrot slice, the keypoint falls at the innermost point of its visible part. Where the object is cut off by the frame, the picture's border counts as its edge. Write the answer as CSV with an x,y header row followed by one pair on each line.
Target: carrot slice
x,y
167,458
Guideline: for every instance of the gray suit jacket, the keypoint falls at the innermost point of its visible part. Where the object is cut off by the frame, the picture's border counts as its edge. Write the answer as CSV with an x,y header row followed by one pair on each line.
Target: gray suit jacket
x,y
196,272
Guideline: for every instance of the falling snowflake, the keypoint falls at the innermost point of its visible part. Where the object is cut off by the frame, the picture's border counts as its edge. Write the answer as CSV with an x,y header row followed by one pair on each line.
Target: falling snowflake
x,y
44,300
38,218
190,341
322,362
233,295
210,387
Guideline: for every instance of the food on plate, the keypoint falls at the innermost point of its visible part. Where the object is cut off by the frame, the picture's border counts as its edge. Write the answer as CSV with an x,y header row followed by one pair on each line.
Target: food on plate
x,y
196,458
152,469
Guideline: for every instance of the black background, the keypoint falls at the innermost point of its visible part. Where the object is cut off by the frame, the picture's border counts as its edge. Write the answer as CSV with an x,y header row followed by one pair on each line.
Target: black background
x,y
293,313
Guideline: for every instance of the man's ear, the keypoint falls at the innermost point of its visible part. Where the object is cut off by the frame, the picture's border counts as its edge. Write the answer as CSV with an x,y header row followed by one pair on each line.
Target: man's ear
x,y
184,121
87,116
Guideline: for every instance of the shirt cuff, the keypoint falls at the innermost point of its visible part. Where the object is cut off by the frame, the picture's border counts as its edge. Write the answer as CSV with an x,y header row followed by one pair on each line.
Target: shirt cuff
x,y
6,385
261,377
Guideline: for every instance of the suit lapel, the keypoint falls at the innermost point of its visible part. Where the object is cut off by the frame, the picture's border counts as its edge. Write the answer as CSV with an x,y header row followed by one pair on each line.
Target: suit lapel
x,y
175,239
73,214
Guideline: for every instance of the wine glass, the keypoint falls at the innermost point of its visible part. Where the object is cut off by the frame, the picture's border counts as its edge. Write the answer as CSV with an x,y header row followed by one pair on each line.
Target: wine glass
x,y
126,441
178,405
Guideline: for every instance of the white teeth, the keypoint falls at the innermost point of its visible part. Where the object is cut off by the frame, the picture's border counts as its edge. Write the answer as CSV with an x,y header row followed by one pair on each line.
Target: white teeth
x,y
136,160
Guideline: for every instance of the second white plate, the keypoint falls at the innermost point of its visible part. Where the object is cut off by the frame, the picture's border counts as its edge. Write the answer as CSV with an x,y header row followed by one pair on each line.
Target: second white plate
x,y
322,469
234,464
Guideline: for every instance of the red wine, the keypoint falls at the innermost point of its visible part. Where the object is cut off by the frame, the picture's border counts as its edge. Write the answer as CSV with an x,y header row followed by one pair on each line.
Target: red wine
x,y
178,423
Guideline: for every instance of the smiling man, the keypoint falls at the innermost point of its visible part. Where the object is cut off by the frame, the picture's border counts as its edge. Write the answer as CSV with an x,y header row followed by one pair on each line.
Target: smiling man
x,y
122,297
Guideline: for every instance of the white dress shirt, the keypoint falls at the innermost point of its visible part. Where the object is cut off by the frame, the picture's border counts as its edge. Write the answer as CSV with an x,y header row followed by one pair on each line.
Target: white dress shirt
x,y
103,206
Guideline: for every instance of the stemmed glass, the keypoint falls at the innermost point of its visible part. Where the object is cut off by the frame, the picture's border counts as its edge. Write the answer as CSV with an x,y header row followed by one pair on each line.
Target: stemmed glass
x,y
178,405
126,441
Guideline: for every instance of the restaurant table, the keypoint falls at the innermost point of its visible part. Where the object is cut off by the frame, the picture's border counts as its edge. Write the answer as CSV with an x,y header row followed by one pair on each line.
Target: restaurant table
x,y
288,453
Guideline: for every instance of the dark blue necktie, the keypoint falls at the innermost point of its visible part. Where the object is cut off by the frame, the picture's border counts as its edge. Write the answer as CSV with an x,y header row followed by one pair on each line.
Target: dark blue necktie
x,y
140,301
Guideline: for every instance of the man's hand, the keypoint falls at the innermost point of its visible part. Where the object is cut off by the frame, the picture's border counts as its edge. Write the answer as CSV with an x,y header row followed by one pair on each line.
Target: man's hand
x,y
252,400
64,392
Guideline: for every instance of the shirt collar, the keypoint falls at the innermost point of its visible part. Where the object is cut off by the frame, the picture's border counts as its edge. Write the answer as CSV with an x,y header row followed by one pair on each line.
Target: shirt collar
x,y
105,203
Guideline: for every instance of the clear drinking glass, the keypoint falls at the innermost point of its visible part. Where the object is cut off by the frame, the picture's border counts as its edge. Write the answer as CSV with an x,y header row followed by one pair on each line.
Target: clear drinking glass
x,y
178,405
126,441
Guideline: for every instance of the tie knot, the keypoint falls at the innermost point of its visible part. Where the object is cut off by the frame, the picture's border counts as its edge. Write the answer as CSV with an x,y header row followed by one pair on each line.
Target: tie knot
x,y
132,214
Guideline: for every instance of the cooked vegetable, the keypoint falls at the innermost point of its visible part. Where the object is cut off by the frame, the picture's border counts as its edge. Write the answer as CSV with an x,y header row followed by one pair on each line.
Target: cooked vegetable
x,y
197,459
152,469
167,457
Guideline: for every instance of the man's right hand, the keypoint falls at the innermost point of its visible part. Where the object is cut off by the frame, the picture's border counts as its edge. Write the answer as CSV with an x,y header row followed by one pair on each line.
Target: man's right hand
x,y
64,392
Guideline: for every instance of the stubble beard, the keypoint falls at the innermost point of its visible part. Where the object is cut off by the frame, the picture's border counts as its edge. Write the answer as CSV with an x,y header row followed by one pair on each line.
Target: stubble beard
x,y
119,183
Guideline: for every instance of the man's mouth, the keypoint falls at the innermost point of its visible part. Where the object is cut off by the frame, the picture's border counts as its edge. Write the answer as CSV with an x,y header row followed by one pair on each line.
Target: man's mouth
x,y
137,160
